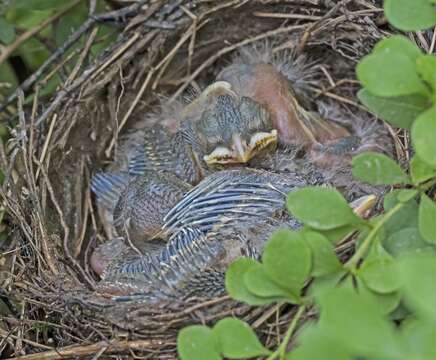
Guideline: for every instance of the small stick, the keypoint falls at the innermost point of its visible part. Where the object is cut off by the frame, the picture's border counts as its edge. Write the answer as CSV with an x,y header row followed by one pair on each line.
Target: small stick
x,y
86,350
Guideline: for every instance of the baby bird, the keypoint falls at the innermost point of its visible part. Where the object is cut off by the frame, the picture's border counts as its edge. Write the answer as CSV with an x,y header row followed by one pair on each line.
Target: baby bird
x,y
258,110
228,215
187,217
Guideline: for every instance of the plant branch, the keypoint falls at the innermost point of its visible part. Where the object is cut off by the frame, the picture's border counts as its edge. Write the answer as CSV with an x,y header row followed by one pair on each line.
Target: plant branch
x,y
352,263
281,350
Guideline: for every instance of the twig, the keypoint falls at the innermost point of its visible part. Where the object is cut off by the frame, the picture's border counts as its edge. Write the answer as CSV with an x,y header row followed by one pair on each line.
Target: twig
x,y
286,16
228,49
87,350
280,352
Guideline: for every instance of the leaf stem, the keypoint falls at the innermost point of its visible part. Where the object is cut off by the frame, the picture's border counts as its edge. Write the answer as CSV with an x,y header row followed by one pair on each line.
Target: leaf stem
x,y
352,263
281,350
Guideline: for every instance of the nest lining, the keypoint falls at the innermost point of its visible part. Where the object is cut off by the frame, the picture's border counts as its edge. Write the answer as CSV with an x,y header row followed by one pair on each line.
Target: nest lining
x,y
60,144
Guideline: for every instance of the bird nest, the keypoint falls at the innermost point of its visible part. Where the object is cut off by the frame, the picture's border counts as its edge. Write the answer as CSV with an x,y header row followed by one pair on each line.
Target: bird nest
x,y
166,48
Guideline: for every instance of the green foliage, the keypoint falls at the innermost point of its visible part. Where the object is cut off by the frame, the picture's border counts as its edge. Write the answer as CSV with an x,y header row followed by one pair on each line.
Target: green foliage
x,y
379,304
391,69
324,259
287,260
410,15
7,31
236,339
427,219
236,286
196,342
378,169
420,171
321,208
400,111
23,15
230,338
423,130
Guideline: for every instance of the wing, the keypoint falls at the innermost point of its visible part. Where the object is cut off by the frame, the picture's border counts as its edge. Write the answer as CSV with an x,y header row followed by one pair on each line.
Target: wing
x,y
108,186
167,272
230,196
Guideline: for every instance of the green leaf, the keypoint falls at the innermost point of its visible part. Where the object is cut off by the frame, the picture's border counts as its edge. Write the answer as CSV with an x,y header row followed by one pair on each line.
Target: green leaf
x,y
69,23
237,340
405,217
378,169
7,31
321,208
427,219
378,272
7,78
420,171
405,241
405,195
398,44
287,260
418,339
410,15
34,53
423,136
259,283
38,4
327,283
27,19
387,303
317,344
235,283
196,342
390,74
336,235
400,111
417,273
426,66
324,259
357,322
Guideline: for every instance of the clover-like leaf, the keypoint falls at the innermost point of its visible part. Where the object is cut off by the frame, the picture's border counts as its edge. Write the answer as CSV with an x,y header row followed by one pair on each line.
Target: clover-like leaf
x,y
342,309
420,171
390,74
423,136
338,234
378,169
259,283
417,337
315,343
237,340
410,15
196,342
7,31
321,208
378,272
427,219
399,111
386,302
398,44
37,5
426,66
324,259
405,241
287,260
235,283
417,274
